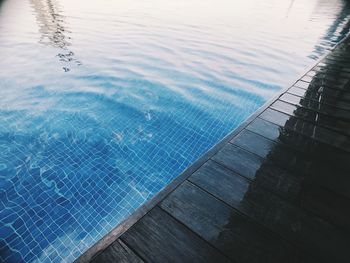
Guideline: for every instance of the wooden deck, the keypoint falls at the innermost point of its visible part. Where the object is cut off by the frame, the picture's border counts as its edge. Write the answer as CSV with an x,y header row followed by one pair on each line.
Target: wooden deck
x,y
275,190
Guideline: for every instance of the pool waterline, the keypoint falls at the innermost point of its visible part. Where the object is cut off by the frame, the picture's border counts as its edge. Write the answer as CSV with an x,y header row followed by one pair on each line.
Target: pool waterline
x,y
64,134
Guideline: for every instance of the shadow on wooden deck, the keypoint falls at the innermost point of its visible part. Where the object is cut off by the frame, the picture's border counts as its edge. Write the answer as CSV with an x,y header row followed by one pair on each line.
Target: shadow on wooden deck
x,y
277,190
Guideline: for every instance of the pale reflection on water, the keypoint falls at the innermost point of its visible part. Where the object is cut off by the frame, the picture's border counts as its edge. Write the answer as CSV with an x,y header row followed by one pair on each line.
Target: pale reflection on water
x,y
103,103
52,27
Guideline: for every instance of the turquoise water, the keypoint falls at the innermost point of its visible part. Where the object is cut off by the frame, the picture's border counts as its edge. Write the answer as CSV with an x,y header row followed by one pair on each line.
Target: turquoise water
x,y
103,103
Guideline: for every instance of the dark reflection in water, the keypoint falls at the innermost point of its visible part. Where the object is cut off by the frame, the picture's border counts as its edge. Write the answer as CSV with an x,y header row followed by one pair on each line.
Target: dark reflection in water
x,y
337,29
54,31
1,2
290,7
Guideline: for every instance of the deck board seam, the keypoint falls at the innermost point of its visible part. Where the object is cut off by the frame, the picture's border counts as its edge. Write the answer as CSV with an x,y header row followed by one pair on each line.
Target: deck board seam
x,y
312,110
198,236
296,205
256,222
133,250
186,175
305,120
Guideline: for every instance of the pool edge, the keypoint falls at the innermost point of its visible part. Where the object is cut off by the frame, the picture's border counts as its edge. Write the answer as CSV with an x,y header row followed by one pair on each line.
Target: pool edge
x,y
121,228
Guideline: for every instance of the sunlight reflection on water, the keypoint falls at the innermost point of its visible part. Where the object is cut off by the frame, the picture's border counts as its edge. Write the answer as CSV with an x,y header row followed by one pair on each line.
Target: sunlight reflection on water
x,y
103,103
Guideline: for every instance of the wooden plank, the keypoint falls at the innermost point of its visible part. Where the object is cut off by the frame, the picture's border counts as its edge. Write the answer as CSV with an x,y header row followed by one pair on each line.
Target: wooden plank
x,y
239,160
337,63
254,143
297,91
117,252
295,147
316,161
316,106
303,144
319,122
266,129
275,117
284,107
157,237
326,204
264,172
325,96
313,162
333,75
319,133
250,165
227,230
302,84
314,117
309,161
232,185
327,80
290,98
282,183
304,230
308,129
308,82
325,67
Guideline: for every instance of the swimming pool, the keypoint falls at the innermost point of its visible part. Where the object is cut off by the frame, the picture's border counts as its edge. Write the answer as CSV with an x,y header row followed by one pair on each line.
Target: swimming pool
x,y
103,103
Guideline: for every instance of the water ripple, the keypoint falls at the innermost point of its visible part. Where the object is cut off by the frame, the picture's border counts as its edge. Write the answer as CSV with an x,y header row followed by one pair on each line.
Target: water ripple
x,y
103,103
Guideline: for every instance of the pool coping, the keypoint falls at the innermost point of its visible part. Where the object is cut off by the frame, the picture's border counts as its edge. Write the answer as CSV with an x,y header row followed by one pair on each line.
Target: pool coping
x,y
140,212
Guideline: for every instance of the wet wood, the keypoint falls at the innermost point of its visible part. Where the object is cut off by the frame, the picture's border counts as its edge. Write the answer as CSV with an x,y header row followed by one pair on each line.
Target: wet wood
x,y
117,252
158,237
276,191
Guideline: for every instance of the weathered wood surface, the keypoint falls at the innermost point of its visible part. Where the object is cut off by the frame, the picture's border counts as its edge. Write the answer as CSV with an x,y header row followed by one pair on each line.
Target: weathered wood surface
x,y
158,237
117,252
278,191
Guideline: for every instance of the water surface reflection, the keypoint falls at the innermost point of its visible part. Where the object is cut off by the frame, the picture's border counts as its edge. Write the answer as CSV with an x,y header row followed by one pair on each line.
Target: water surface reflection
x,y
160,85
54,30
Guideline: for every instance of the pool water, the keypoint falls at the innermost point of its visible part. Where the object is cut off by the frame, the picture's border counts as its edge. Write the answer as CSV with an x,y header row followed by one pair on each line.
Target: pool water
x,y
103,103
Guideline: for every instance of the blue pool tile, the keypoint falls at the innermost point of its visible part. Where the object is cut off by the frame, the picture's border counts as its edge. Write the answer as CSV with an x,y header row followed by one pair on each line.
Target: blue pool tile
x,y
6,231
80,152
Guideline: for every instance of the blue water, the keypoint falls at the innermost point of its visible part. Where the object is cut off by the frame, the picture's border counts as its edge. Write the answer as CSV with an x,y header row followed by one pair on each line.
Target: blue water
x,y
103,103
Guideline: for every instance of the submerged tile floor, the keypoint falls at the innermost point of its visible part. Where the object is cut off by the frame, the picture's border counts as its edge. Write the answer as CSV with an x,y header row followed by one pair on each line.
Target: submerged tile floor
x,y
277,191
